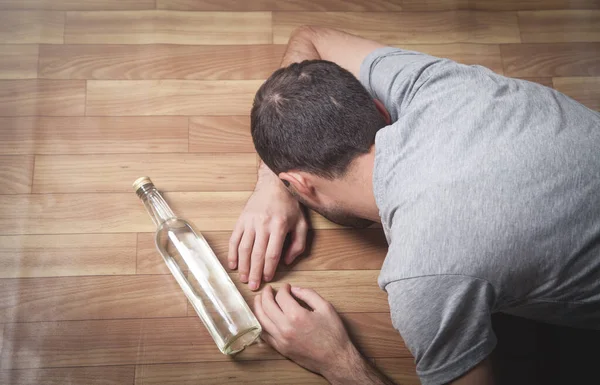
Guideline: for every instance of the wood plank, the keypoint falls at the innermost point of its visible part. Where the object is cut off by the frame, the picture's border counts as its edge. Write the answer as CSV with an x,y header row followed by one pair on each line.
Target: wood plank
x,y
494,5
135,62
543,81
271,372
585,90
333,285
402,370
90,297
42,97
220,134
559,26
159,340
99,375
67,255
408,27
170,27
280,5
487,55
18,61
30,27
93,135
558,59
77,5
16,173
343,249
172,172
119,212
170,97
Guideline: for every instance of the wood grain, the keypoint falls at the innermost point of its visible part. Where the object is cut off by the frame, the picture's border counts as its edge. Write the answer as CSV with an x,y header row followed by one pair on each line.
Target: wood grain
x,y
344,249
115,173
159,340
16,173
170,27
280,5
119,212
333,285
402,370
67,255
543,81
91,297
30,27
487,55
77,5
220,134
93,135
143,62
558,59
170,97
559,26
272,372
407,27
494,5
99,375
18,61
42,97
585,90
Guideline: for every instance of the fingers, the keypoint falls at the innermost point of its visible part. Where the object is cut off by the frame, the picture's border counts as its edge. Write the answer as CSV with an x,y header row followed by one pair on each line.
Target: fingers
x,y
311,298
287,303
244,250
264,320
257,260
274,252
234,242
272,309
298,242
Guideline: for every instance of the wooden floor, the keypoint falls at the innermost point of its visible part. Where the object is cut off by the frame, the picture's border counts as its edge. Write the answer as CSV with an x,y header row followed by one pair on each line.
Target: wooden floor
x,y
95,93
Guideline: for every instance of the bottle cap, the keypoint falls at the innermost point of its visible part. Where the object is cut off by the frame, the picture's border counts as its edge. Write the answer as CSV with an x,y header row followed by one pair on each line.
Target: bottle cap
x,y
140,182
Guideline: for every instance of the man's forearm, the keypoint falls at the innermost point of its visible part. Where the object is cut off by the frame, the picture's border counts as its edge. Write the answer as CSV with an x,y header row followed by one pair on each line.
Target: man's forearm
x,y
357,371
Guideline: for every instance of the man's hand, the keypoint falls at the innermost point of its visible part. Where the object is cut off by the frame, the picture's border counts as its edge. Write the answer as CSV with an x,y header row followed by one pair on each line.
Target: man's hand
x,y
316,340
256,243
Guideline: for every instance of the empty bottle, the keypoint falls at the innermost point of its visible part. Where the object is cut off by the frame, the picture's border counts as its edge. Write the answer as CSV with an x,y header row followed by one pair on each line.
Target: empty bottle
x,y
203,279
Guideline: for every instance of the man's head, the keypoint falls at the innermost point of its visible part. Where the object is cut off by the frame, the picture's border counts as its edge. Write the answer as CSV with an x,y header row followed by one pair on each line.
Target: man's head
x,y
309,122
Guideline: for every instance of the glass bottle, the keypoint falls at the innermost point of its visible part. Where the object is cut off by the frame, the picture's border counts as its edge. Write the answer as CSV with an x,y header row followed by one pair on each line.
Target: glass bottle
x,y
203,279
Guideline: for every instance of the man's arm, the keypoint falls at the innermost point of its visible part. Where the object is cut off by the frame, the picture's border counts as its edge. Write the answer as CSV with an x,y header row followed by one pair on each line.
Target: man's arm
x,y
317,340
271,212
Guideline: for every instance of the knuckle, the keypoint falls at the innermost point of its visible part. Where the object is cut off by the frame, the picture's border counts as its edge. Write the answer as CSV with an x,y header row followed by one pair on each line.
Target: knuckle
x,y
262,219
244,249
280,221
273,257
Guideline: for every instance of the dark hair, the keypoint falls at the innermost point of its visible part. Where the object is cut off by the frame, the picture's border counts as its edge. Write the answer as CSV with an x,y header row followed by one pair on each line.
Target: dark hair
x,y
313,116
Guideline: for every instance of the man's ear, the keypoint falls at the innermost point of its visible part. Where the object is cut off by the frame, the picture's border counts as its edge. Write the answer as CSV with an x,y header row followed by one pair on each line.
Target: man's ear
x,y
301,182
383,111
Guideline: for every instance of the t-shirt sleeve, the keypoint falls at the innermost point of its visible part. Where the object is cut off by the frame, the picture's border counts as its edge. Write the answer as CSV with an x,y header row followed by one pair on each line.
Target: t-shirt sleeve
x,y
392,75
445,321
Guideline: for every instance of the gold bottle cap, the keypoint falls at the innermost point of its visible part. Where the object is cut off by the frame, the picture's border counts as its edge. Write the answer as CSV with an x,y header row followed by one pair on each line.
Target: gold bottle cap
x,y
139,182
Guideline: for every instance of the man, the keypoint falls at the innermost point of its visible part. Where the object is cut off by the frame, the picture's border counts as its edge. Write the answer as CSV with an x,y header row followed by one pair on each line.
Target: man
x,y
488,190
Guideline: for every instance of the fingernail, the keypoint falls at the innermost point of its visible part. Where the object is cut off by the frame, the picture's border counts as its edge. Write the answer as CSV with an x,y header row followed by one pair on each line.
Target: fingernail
x,y
232,265
253,285
244,278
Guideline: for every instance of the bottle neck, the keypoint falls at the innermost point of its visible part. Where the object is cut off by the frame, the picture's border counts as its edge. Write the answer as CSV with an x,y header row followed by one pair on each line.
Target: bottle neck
x,y
156,206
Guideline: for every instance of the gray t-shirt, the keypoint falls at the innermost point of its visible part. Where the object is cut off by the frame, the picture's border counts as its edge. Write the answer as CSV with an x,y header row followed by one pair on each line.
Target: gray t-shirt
x,y
489,193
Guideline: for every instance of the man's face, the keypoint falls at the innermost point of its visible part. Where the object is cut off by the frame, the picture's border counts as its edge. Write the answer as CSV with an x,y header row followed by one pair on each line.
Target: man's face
x,y
335,213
